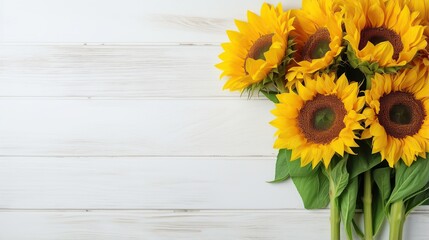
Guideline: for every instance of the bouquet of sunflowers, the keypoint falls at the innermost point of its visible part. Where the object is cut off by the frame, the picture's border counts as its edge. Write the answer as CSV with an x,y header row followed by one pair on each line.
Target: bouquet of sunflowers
x,y
350,83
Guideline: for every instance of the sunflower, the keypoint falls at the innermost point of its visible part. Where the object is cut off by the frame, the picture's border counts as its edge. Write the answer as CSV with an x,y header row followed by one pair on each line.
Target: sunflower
x,y
382,32
318,36
257,48
397,115
318,120
422,7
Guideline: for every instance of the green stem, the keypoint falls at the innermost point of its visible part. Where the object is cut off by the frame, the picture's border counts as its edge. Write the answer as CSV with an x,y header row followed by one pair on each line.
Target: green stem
x,y
367,205
335,212
396,220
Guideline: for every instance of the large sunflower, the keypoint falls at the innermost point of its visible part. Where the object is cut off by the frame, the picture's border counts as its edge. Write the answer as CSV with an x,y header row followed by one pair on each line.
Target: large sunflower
x,y
318,36
383,32
397,115
257,48
319,120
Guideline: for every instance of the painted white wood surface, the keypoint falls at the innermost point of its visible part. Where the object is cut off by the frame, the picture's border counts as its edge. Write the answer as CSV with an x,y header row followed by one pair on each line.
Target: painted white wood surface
x,y
142,183
110,71
114,126
126,21
180,225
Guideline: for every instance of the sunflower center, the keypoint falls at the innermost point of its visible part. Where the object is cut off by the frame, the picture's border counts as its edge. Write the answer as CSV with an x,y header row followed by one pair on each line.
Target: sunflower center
x,y
401,114
260,46
317,45
380,34
321,119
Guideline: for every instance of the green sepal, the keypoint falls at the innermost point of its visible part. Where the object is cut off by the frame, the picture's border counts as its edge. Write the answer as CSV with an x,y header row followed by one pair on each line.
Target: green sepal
x,y
282,167
369,68
271,96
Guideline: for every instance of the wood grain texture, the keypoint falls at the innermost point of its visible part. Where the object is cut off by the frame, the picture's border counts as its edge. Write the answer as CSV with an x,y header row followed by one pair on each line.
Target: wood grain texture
x,y
180,225
143,183
170,127
114,126
110,71
168,21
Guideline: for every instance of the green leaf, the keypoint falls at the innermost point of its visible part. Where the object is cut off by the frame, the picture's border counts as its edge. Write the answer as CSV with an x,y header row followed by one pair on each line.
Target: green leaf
x,y
382,178
358,230
348,205
271,96
416,201
378,213
282,167
426,188
312,184
362,161
295,169
409,180
340,177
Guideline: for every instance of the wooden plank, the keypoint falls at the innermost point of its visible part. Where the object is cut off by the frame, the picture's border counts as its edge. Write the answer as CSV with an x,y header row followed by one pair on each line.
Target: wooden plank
x,y
178,225
143,183
169,127
110,71
121,21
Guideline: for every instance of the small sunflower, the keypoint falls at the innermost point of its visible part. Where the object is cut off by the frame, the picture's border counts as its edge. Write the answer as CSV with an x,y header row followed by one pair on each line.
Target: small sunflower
x,y
397,115
257,48
383,32
319,120
318,36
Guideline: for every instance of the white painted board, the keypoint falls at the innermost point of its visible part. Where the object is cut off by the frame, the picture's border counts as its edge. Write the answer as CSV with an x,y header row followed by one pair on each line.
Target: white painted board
x,y
122,21
114,126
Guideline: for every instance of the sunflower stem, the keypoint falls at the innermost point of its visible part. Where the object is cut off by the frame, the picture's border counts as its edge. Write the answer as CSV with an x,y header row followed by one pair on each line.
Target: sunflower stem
x,y
396,220
367,205
335,211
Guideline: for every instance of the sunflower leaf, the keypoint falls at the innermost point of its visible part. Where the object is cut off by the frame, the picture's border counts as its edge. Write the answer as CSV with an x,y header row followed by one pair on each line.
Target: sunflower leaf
x,y
417,200
409,180
312,184
340,177
382,177
348,205
378,213
282,169
362,161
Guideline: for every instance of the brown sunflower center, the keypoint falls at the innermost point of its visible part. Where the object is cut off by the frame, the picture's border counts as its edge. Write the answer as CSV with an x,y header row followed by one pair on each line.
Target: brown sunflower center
x,y
380,34
321,119
260,46
317,45
401,114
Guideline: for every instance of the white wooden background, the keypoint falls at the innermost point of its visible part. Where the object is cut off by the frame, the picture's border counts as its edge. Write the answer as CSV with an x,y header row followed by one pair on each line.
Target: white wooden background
x,y
113,125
